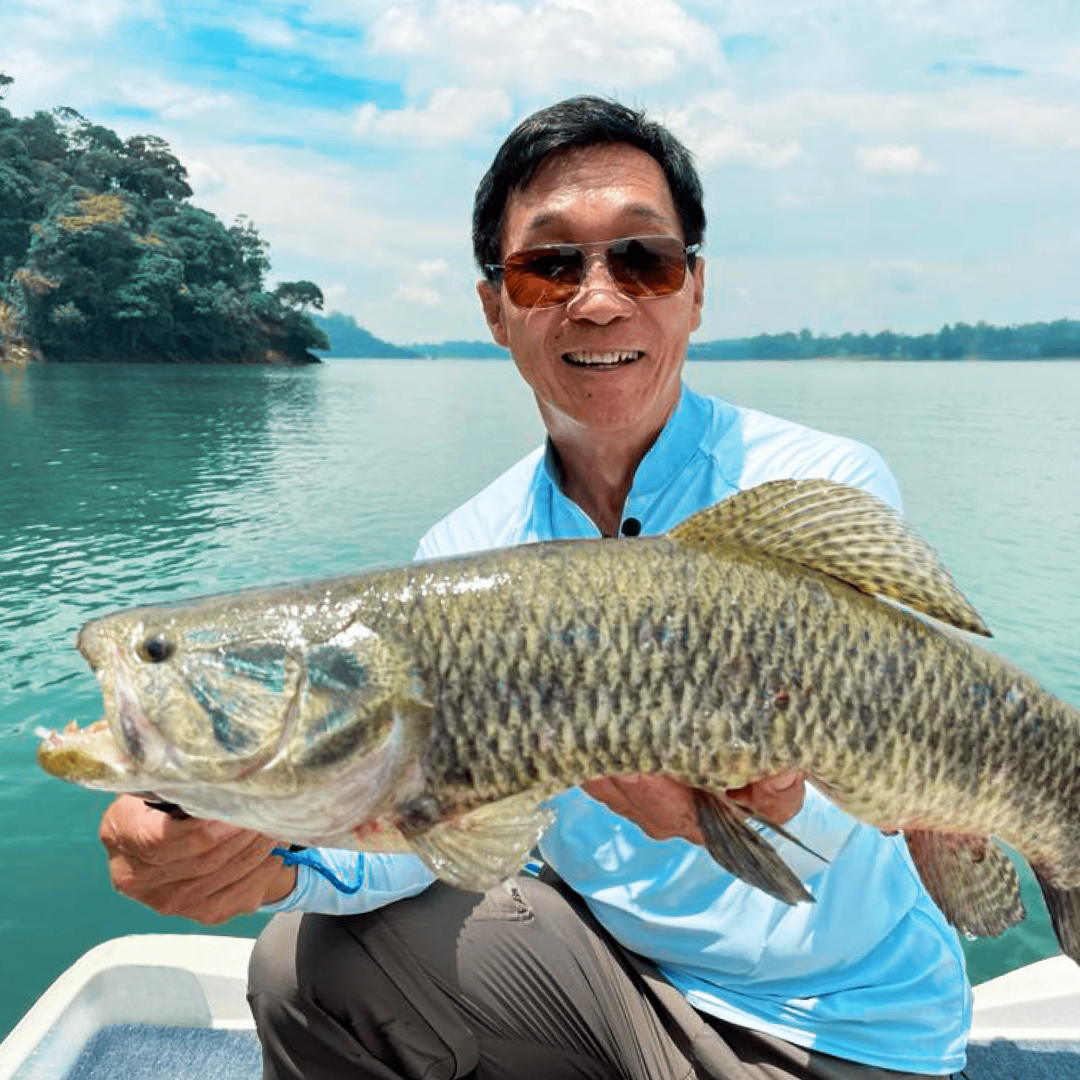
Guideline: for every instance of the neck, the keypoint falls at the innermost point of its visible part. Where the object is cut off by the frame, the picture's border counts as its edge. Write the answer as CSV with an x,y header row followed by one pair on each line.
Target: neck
x,y
598,470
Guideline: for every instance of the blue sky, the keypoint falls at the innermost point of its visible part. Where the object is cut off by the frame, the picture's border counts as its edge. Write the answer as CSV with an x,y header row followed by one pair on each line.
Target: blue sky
x,y
868,165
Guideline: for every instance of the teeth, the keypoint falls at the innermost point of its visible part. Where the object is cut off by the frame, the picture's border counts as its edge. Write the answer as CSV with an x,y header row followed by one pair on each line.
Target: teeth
x,y
599,359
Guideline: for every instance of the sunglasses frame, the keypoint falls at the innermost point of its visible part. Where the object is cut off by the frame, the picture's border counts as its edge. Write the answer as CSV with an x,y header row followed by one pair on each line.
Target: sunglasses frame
x,y
592,250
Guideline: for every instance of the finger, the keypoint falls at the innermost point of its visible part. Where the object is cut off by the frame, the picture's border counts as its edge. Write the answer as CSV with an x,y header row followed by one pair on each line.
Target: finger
x,y
131,828
269,882
216,899
781,781
180,893
147,875
224,857
775,798
609,790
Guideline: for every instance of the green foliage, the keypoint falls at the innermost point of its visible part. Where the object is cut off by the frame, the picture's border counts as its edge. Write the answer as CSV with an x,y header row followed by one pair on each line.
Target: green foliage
x,y
299,295
102,257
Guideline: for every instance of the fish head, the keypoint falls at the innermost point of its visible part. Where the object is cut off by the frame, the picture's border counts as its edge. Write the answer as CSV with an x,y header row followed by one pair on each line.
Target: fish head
x,y
271,694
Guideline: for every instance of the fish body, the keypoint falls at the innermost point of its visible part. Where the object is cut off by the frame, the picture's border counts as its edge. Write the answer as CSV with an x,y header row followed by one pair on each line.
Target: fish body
x,y
433,707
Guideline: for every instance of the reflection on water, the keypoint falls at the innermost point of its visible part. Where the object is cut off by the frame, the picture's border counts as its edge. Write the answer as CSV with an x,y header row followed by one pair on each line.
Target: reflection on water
x,y
127,484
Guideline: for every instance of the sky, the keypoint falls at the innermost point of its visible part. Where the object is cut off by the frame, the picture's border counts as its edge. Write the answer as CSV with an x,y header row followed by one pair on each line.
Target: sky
x,y
868,164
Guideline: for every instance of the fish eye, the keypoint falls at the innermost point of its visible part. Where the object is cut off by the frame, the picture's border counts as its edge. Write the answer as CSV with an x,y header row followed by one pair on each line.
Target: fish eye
x,y
155,650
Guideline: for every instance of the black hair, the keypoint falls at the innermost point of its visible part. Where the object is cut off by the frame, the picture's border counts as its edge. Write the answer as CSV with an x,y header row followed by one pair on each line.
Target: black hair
x,y
575,123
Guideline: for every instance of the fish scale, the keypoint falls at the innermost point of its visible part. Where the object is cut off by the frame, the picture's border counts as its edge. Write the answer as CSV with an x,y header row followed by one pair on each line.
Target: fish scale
x,y
923,674
434,707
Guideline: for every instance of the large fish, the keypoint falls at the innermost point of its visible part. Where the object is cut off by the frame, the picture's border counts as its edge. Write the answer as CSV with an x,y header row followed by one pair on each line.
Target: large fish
x,y
432,708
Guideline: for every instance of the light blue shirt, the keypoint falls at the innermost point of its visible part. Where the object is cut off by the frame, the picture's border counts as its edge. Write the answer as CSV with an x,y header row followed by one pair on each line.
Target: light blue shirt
x,y
871,972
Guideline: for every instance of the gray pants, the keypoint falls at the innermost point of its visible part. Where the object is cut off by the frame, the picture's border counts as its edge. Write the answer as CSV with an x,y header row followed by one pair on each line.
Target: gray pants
x,y
520,982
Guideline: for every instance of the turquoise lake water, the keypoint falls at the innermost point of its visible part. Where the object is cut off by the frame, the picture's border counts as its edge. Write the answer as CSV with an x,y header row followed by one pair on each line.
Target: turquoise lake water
x,y
127,484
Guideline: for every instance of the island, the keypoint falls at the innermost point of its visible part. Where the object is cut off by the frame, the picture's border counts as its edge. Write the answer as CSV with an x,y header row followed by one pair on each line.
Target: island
x,y
104,257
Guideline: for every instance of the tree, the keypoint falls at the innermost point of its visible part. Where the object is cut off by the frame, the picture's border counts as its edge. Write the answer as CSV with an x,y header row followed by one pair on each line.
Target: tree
x,y
5,82
251,249
151,170
102,257
299,295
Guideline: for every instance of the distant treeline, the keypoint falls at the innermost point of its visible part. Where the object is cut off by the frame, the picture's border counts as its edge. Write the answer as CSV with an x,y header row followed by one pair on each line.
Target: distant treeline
x,y
348,339
102,256
1031,341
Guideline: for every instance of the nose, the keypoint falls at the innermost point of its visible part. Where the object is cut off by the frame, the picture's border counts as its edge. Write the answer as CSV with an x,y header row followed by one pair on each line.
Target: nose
x,y
599,298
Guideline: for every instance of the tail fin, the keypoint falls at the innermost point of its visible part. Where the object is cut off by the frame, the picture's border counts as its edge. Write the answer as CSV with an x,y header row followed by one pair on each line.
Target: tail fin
x,y
1064,908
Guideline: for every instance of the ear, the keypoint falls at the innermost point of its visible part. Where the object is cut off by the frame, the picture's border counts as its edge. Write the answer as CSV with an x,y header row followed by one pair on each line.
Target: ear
x,y
699,293
492,303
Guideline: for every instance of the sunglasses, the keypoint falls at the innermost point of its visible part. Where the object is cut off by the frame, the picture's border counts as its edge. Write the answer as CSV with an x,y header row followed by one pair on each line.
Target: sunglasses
x,y
641,266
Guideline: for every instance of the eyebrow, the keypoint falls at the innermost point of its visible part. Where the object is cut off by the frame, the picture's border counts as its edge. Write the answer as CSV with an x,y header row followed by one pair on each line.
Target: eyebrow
x,y
641,210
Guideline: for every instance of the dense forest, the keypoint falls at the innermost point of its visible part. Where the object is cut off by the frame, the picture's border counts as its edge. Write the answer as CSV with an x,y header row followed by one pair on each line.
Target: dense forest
x,y
102,256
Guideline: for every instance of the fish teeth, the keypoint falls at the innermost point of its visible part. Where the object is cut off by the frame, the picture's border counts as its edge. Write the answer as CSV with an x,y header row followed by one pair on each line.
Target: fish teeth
x,y
600,359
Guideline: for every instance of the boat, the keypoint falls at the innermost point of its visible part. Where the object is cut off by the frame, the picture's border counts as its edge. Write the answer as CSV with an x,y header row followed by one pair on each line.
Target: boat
x,y
142,1007
157,1006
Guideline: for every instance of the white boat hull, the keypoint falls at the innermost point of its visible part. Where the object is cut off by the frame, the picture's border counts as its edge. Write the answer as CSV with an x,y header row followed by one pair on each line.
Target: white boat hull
x,y
199,981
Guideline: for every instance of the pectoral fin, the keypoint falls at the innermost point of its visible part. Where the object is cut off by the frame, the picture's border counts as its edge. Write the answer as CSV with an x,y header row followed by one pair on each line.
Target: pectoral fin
x,y
744,852
485,846
970,878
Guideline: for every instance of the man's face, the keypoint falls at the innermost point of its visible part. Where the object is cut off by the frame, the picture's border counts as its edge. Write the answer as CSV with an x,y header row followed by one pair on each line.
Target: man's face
x,y
602,361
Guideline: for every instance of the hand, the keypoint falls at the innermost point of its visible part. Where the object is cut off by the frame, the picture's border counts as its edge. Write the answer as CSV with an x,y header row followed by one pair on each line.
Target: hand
x,y
204,870
664,808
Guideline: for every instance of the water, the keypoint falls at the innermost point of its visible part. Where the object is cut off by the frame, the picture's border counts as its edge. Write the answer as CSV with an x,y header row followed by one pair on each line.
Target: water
x,y
126,484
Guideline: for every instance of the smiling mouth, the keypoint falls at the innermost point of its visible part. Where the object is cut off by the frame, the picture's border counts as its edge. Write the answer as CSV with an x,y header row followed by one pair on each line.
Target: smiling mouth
x,y
601,361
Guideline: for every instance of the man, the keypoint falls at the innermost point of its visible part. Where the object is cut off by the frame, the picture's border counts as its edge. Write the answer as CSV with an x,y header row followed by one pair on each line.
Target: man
x,y
632,954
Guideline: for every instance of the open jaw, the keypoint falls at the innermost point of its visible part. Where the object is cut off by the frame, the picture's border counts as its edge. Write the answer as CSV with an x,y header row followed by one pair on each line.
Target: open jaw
x,y
89,756
110,753
602,359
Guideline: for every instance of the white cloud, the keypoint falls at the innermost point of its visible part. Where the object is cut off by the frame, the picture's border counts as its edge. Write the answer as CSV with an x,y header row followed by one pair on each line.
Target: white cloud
x,y
892,159
451,113
541,45
708,126
70,19
432,268
189,106
377,198
416,292
171,100
271,33
993,110
731,144
421,287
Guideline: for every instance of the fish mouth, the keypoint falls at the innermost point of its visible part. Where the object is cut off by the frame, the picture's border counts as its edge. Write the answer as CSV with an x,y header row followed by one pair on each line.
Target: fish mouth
x,y
602,359
111,752
89,756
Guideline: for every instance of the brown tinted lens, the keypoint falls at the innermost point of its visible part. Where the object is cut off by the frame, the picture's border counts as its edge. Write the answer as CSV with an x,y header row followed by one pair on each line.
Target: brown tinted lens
x,y
641,266
648,265
543,277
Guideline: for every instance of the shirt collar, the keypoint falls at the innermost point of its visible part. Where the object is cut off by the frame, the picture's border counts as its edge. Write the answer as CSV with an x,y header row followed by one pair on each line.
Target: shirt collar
x,y
676,444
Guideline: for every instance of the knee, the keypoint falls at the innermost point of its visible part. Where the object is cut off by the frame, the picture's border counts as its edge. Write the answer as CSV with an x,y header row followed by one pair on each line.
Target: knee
x,y
348,990
272,967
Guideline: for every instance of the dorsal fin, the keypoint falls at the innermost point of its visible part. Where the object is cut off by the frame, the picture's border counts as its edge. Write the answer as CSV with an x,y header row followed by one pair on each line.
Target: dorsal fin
x,y
840,530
